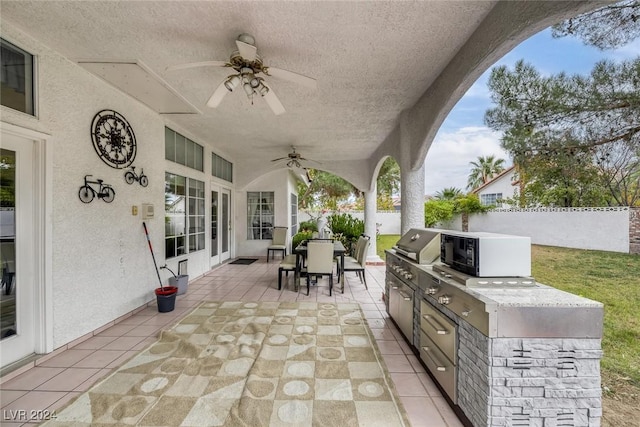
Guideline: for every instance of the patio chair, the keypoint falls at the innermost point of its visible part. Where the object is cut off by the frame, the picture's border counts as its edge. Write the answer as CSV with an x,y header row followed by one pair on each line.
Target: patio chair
x,y
359,265
287,264
279,243
356,251
319,261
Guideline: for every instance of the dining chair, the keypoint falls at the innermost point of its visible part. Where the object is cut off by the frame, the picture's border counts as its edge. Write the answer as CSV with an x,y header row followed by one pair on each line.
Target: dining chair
x,y
356,251
287,264
319,261
359,264
279,243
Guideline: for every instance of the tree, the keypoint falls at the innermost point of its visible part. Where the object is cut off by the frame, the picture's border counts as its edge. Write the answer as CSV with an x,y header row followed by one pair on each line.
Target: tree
x,y
437,211
325,191
328,191
484,170
558,128
609,27
449,193
388,181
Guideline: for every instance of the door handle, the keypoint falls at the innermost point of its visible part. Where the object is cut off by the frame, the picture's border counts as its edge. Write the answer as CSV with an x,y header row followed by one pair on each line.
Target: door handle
x,y
406,297
441,330
439,365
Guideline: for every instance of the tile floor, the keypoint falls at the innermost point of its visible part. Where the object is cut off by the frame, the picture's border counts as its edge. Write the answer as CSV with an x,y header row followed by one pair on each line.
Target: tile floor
x,y
64,374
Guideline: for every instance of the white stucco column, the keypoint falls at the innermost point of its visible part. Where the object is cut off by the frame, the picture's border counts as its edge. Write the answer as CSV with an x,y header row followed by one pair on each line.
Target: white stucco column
x,y
370,218
412,196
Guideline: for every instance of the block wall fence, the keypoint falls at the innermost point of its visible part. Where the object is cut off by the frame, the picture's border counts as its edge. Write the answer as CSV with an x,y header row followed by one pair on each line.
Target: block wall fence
x,y
614,229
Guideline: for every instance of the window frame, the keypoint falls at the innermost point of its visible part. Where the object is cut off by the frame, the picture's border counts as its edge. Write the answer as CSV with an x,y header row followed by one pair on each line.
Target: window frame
x,y
490,199
264,211
192,216
178,149
30,96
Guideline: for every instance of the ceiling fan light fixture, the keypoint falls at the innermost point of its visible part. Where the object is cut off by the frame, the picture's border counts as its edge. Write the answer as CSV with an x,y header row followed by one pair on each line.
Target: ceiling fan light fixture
x,y
248,89
232,82
262,89
247,38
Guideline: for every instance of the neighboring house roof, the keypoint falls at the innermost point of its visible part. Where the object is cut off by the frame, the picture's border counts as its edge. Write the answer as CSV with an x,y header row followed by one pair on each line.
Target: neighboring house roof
x,y
498,177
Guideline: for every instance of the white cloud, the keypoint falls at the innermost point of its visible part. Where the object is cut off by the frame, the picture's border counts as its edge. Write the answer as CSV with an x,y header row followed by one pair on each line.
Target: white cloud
x,y
628,51
447,162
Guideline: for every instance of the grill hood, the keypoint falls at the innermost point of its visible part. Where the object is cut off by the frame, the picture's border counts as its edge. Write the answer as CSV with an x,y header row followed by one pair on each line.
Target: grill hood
x,y
422,245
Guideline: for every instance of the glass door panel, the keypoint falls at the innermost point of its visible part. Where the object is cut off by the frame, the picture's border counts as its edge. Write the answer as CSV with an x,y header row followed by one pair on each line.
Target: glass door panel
x,y
17,261
8,315
225,224
214,223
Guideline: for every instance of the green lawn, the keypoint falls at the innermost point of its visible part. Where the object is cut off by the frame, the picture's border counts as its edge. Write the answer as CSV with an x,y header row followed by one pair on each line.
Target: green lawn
x,y
386,241
609,277
614,280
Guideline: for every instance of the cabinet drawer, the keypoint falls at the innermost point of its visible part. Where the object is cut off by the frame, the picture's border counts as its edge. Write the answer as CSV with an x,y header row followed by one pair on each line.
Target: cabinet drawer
x,y
439,329
443,370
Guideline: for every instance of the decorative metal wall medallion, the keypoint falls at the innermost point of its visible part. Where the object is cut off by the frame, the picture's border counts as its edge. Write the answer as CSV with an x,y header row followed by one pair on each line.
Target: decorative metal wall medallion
x,y
113,139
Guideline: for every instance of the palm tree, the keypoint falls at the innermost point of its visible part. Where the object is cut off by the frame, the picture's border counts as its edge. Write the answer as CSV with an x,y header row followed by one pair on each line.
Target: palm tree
x,y
484,170
449,193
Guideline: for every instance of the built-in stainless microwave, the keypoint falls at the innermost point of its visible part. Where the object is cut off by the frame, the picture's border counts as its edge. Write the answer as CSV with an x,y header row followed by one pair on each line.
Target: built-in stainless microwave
x,y
486,254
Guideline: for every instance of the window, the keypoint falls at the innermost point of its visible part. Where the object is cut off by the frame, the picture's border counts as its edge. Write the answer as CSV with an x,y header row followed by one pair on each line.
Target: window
x,y
259,215
182,150
16,78
294,214
196,215
184,215
221,168
490,199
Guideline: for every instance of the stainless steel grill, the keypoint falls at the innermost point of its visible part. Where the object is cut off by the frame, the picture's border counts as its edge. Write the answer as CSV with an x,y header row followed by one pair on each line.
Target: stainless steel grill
x,y
422,245
452,321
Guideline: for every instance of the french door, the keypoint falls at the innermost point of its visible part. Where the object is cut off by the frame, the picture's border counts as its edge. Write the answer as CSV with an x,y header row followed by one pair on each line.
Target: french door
x,y
221,225
18,299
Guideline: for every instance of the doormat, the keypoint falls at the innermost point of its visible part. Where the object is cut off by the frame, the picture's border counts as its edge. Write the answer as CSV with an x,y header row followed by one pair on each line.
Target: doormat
x,y
244,261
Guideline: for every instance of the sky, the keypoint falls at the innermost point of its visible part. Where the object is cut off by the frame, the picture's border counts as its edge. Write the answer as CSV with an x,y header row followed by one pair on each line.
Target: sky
x,y
463,136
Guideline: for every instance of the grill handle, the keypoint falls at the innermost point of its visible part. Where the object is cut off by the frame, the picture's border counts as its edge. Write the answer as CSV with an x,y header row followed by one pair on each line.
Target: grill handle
x,y
404,296
439,365
441,330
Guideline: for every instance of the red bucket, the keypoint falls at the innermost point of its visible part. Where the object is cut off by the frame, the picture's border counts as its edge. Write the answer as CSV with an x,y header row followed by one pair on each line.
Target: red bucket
x,y
166,298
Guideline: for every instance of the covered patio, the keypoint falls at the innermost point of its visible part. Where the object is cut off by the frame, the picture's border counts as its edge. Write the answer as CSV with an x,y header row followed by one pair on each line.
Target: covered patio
x,y
50,382
356,83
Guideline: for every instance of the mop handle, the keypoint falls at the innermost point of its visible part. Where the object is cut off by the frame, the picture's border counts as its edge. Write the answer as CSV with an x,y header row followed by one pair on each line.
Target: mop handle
x,y
152,255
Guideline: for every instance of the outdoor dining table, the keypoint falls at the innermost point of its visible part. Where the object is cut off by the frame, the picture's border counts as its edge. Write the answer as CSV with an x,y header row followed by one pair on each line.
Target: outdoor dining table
x,y
301,253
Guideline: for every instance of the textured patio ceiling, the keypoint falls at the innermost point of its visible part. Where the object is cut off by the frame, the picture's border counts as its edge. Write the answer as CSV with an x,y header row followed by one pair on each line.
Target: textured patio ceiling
x,y
372,61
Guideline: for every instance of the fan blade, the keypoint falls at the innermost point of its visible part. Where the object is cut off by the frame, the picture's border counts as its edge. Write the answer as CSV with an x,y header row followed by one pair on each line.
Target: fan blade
x,y
217,96
310,160
291,76
280,158
199,64
273,102
247,51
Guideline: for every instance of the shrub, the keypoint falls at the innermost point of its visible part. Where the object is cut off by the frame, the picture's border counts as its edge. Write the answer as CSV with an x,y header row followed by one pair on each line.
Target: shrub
x,y
308,226
345,228
299,237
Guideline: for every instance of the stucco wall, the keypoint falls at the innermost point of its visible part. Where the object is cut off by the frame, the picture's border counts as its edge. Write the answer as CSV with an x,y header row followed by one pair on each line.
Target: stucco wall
x,y
501,185
273,181
604,229
101,265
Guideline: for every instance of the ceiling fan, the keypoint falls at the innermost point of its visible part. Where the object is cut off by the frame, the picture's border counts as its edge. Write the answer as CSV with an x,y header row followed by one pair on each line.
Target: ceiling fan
x,y
248,66
294,158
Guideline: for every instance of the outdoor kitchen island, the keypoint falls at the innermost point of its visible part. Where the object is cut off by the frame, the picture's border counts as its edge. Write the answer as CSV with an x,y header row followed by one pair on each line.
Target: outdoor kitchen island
x,y
504,351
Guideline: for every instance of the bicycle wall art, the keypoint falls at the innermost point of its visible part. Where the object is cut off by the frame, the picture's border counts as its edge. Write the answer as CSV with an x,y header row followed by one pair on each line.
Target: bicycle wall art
x,y
98,188
131,176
